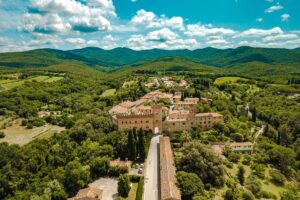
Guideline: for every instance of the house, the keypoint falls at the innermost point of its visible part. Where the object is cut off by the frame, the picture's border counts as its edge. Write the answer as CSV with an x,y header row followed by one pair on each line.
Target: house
x,y
89,193
242,147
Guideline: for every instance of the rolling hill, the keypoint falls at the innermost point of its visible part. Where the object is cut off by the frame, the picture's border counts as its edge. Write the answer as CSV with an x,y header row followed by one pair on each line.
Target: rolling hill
x,y
243,59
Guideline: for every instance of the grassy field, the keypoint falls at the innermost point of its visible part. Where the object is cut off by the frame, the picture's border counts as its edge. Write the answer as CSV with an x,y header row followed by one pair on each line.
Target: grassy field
x,y
132,193
10,84
17,134
53,79
109,92
222,80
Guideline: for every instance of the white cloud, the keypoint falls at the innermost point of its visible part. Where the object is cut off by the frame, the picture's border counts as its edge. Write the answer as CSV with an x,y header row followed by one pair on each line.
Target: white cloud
x,y
260,19
285,17
143,17
150,20
259,32
73,15
279,37
274,8
47,23
164,34
206,30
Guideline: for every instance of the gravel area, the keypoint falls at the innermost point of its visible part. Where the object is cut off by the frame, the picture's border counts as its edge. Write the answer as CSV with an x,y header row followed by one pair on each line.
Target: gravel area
x,y
109,187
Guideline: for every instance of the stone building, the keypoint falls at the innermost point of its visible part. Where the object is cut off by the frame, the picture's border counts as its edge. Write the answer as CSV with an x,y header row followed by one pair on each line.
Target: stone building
x,y
180,116
168,187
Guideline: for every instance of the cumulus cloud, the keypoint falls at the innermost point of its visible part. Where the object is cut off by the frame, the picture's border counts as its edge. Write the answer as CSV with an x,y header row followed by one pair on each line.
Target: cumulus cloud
x,y
150,20
68,15
206,30
285,17
279,37
161,35
274,8
259,32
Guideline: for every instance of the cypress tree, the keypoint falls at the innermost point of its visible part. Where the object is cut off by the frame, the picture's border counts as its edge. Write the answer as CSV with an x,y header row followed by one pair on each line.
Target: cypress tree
x,y
141,145
254,114
131,146
241,175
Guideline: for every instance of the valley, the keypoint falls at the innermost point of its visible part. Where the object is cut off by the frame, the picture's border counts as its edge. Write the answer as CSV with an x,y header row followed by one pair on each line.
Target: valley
x,y
65,120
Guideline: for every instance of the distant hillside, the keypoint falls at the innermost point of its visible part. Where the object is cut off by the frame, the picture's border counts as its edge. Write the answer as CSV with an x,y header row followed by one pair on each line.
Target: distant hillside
x,y
168,64
118,57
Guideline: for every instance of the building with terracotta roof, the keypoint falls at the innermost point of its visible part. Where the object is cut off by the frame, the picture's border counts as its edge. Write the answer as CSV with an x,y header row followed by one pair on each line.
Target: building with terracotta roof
x,y
168,187
146,114
89,193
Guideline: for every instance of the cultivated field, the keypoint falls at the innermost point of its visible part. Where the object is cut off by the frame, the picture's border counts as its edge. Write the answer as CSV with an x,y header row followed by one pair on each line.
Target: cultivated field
x,y
222,80
8,84
17,134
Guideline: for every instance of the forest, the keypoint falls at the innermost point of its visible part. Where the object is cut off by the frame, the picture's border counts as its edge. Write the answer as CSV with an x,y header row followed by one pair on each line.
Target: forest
x,y
57,166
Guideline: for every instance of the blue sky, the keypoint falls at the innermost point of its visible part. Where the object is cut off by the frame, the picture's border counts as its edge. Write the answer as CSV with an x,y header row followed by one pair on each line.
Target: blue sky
x,y
146,24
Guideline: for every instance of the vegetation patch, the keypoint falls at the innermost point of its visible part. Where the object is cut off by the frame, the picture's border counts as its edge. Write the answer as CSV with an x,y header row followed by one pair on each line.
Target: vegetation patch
x,y
108,93
223,80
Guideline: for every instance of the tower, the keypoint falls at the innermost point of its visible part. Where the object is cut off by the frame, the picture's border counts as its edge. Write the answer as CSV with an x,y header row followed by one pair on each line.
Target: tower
x,y
157,118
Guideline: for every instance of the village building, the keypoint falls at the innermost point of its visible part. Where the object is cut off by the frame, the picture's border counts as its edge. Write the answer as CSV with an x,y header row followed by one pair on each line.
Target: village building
x,y
89,193
168,187
242,147
155,117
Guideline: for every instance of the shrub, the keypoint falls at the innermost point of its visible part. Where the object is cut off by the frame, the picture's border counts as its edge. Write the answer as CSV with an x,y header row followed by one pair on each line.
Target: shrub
x,y
247,195
24,122
134,178
123,185
189,184
99,167
247,160
258,170
277,178
266,195
116,171
29,126
234,157
140,189
2,134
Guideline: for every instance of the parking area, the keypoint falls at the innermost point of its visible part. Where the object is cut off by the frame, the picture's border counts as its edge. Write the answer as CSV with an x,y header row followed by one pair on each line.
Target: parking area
x,y
109,187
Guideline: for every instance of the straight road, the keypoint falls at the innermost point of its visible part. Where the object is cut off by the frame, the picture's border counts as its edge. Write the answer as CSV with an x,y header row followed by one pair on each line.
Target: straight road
x,y
151,171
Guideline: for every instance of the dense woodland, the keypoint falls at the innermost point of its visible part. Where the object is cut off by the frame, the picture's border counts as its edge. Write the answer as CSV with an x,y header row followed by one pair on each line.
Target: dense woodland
x,y
57,167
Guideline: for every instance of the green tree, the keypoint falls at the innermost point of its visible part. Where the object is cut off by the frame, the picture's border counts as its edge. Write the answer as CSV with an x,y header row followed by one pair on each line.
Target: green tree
x,y
247,195
189,184
131,146
277,177
201,160
286,137
123,185
141,145
99,167
76,177
241,175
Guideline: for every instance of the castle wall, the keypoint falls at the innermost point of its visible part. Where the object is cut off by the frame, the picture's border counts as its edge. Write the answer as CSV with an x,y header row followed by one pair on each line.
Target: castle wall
x,y
139,122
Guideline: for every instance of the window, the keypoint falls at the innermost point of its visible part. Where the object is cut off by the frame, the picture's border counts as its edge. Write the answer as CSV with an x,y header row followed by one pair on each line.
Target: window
x,y
173,124
136,122
183,123
147,121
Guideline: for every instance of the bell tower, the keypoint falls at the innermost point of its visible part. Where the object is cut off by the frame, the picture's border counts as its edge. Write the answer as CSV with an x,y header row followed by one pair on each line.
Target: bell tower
x,y
157,118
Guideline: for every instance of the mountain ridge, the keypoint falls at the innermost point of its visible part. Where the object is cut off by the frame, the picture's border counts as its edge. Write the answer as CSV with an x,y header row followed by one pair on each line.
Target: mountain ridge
x,y
94,56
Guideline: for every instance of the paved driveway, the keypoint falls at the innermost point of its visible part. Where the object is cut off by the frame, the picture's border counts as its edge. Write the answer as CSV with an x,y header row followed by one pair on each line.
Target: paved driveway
x,y
109,187
151,171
